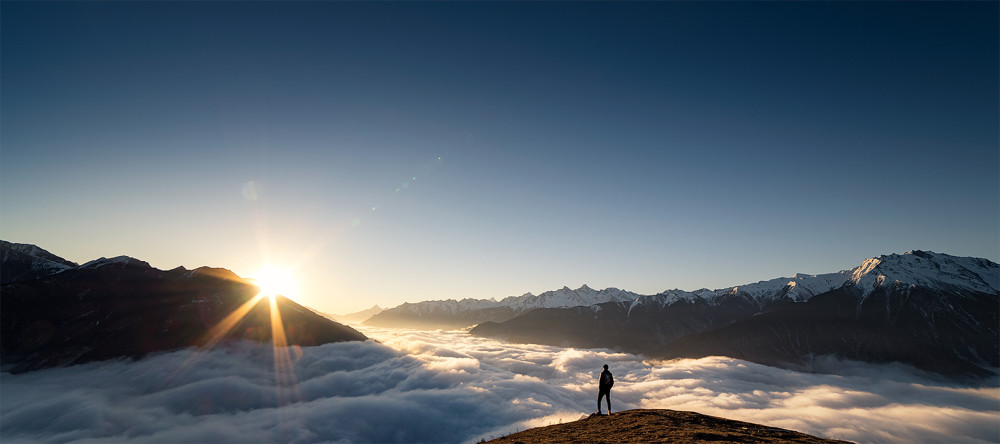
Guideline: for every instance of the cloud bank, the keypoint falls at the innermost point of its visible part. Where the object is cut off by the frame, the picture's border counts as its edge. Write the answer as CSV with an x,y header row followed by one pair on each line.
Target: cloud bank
x,y
450,387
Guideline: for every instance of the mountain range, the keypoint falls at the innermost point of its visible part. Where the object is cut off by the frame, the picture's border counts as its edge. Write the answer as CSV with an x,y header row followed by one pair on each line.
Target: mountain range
x,y
933,311
930,310
54,312
452,314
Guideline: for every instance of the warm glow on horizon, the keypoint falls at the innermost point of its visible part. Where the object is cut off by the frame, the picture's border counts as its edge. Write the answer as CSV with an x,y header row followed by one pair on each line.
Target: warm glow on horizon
x,y
272,282
275,281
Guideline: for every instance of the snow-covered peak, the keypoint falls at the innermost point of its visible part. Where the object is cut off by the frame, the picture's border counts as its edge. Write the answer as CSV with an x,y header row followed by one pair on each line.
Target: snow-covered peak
x,y
914,268
27,261
29,249
117,260
583,296
561,298
927,269
801,287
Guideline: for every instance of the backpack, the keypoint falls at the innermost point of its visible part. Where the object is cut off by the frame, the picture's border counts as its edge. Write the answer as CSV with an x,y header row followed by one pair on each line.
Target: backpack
x,y
607,380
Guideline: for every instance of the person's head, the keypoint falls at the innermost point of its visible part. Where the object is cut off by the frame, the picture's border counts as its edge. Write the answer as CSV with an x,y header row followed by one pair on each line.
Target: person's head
x,y
605,366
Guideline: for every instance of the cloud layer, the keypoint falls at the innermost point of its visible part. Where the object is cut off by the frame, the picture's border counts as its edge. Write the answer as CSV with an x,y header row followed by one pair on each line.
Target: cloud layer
x,y
450,387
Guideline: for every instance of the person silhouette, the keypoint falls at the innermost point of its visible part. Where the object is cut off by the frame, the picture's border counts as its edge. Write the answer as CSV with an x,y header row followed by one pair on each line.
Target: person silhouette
x,y
604,384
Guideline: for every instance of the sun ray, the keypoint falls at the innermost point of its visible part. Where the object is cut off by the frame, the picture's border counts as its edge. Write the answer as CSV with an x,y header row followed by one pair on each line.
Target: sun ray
x,y
218,332
284,375
226,324
276,282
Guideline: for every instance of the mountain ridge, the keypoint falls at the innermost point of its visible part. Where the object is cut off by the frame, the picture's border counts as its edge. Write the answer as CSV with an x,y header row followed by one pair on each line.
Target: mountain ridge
x,y
934,311
452,313
27,261
124,308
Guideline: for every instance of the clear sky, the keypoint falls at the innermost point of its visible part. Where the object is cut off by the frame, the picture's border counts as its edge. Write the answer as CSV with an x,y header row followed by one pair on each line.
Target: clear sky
x,y
397,152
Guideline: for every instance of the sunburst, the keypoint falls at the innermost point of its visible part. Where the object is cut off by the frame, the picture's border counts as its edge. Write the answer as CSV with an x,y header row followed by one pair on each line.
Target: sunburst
x,y
272,282
275,281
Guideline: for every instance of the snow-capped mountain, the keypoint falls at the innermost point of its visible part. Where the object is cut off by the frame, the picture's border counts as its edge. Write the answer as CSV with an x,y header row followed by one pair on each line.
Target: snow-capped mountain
x,y
915,267
798,288
66,314
23,262
120,261
458,314
927,269
453,313
934,311
565,297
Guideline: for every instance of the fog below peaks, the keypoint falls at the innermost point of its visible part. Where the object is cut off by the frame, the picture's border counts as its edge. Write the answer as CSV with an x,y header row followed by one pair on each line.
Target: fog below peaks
x,y
419,386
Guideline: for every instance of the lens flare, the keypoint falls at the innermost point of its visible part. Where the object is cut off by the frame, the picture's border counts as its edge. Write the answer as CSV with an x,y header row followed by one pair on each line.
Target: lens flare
x,y
275,281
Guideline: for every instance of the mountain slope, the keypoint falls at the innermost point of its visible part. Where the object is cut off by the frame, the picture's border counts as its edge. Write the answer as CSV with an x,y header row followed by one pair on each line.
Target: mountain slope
x,y
123,307
645,426
25,262
934,311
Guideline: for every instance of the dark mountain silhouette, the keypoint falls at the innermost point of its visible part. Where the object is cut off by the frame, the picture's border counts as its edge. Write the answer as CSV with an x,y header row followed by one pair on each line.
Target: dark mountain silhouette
x,y
646,426
618,325
949,333
933,311
23,262
123,307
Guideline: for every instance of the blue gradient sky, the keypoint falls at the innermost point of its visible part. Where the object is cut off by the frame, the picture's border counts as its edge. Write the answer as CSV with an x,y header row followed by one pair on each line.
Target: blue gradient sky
x,y
401,152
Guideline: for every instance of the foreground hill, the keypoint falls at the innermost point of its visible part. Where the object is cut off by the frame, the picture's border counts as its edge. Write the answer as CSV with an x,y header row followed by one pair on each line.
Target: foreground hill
x,y
123,307
646,426
937,312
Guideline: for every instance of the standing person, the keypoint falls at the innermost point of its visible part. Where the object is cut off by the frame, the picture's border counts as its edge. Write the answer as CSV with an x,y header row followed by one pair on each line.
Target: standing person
x,y
604,388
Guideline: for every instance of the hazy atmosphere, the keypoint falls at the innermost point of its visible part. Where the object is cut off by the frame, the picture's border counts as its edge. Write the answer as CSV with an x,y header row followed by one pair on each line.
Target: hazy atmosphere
x,y
391,152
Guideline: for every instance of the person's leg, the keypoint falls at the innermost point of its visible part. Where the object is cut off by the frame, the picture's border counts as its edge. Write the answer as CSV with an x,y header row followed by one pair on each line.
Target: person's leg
x,y
608,398
599,395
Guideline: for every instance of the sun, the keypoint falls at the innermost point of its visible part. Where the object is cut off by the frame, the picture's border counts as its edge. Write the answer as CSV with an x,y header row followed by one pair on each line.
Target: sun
x,y
274,281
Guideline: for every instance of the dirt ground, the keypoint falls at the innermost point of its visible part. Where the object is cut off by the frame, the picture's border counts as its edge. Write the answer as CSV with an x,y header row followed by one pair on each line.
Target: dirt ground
x,y
658,426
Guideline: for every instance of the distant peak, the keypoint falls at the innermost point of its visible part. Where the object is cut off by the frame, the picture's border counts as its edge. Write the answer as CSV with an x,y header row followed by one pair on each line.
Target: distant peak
x,y
117,260
218,272
35,251
922,253
584,287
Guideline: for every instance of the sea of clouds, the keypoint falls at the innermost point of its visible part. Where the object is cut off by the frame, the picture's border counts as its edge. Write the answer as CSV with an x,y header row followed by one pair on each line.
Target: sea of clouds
x,y
414,386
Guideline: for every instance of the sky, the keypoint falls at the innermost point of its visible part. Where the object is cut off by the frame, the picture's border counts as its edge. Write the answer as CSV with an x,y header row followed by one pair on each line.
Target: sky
x,y
450,387
390,152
